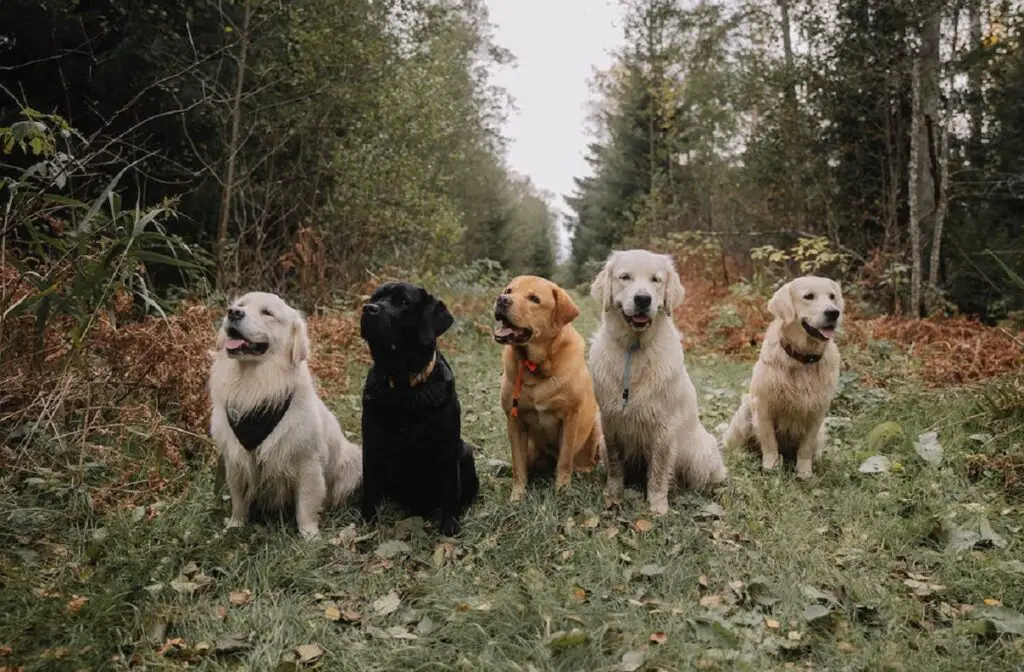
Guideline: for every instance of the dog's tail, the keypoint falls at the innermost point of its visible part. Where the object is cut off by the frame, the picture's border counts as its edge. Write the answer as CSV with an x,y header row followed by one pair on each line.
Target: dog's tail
x,y
739,430
349,475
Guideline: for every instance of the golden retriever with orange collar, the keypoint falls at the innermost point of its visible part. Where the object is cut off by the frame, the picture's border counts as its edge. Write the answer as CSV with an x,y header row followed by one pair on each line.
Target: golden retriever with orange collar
x,y
546,390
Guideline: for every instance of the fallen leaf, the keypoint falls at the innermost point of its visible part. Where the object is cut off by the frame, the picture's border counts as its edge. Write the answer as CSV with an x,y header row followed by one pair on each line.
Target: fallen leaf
x,y
332,613
221,613
659,637
876,464
610,532
846,647
977,533
928,447
761,592
818,595
771,623
239,597
712,510
992,602
923,588
390,549
632,661
566,640
590,522
309,653
76,603
579,594
815,613
995,620
713,600
642,525
231,644
703,580
794,636
425,627
387,604
652,570
399,632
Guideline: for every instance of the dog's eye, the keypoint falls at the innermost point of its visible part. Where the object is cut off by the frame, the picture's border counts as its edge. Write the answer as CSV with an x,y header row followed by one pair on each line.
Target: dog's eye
x,y
625,276
809,297
534,298
832,297
655,278
508,290
267,312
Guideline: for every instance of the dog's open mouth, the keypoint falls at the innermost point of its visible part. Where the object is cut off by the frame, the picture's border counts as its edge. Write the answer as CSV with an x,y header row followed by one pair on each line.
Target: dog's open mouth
x,y
507,333
238,345
640,321
820,333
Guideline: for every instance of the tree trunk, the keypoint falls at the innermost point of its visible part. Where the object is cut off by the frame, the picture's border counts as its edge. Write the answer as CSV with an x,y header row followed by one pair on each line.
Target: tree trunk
x,y
941,207
925,159
913,189
233,148
977,107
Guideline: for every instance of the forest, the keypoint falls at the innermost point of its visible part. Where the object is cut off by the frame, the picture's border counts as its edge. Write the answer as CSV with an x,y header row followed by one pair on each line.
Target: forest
x,y
892,130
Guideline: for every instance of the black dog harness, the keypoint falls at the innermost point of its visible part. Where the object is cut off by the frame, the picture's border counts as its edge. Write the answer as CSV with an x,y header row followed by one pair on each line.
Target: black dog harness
x,y
253,427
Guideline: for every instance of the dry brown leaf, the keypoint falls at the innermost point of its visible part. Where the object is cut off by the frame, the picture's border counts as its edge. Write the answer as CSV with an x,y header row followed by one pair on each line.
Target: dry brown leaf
x,y
771,623
703,580
846,647
221,613
309,653
76,603
579,594
239,597
992,602
659,637
712,600
642,525
610,532
332,613
590,523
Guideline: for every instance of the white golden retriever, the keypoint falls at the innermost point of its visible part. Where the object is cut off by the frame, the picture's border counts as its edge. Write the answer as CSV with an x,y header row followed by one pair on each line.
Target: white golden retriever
x,y
648,403
795,377
281,446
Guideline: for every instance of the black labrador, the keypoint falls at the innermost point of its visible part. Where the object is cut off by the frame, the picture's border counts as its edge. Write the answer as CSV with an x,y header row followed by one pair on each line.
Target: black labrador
x,y
413,452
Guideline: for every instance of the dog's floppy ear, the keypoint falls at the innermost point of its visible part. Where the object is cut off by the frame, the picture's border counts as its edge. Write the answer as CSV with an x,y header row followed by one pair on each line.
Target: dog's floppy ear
x,y
299,341
566,309
601,287
781,304
675,293
436,320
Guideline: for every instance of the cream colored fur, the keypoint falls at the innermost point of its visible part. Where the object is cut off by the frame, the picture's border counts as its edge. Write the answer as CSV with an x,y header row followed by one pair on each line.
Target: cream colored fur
x,y
660,423
788,399
306,461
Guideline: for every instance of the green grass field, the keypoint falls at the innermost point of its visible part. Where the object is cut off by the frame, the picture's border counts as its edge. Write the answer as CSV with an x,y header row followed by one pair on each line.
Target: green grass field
x,y
848,571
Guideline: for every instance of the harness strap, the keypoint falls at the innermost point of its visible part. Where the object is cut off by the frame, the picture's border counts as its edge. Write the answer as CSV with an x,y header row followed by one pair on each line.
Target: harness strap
x,y
633,347
518,387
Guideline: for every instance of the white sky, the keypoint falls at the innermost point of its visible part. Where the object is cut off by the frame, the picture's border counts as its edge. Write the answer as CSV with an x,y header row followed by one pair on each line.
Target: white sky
x,y
557,45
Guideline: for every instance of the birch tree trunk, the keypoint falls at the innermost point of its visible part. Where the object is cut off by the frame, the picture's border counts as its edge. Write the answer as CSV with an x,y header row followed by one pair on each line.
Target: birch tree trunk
x,y
913,188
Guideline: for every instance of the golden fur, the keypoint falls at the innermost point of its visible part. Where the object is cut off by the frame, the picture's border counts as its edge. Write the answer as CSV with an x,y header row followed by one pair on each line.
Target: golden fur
x,y
788,399
557,411
306,461
660,428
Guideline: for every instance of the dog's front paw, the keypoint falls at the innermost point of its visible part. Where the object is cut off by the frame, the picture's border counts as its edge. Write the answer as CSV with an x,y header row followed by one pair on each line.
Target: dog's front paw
x,y
450,527
659,507
233,522
517,493
309,530
804,469
769,461
562,481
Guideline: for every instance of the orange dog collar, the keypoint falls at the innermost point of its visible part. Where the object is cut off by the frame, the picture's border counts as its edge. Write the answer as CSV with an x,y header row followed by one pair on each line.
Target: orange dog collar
x,y
518,387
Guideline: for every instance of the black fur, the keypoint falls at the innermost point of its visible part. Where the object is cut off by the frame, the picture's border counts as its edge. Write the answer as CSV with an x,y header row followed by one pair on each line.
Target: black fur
x,y
413,452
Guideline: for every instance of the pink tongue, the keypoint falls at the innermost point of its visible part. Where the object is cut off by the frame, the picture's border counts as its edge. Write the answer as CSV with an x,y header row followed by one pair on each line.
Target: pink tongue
x,y
827,333
235,344
503,332
641,318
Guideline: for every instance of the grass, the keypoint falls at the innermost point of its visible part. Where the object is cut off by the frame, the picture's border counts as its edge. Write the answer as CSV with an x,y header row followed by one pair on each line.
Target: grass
x,y
848,571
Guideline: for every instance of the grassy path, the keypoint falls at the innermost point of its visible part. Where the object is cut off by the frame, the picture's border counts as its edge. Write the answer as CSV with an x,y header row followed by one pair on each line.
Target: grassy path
x,y
844,572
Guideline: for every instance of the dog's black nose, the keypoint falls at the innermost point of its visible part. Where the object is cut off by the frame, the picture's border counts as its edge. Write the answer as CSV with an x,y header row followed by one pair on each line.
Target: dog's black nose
x,y
504,300
832,314
235,314
642,301
371,309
